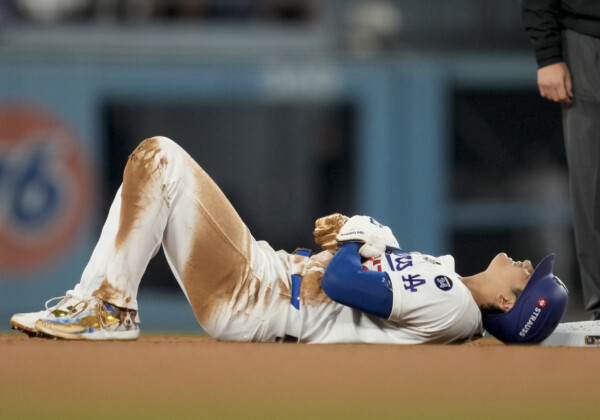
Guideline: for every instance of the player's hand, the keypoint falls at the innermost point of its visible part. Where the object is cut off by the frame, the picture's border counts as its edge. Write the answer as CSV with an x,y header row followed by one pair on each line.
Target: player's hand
x,y
374,236
554,83
326,229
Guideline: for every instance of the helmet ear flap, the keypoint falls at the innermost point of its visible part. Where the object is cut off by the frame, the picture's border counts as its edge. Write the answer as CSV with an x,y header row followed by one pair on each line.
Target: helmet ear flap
x,y
536,313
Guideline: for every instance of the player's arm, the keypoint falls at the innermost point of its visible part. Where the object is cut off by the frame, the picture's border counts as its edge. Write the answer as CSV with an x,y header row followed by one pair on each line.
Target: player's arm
x,y
345,282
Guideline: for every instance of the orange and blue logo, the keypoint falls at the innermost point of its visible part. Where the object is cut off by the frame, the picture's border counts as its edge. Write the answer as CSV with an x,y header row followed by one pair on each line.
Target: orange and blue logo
x,y
47,188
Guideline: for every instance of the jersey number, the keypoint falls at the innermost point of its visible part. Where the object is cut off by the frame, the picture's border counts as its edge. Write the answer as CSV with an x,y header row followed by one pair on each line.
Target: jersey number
x,y
399,263
412,282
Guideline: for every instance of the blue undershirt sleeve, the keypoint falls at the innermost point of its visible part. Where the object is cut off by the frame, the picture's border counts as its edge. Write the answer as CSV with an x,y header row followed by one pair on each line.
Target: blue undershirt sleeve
x,y
347,283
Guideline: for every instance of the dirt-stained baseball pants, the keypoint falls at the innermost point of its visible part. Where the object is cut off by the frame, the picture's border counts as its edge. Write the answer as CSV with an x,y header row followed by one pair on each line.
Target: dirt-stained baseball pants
x,y
239,288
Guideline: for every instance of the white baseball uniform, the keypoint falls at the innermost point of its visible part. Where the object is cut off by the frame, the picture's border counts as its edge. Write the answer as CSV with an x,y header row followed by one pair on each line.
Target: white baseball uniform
x,y
241,289
430,304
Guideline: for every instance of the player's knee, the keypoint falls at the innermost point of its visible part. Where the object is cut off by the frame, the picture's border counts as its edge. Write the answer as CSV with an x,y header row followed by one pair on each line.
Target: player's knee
x,y
149,156
156,143
164,142
157,156
153,146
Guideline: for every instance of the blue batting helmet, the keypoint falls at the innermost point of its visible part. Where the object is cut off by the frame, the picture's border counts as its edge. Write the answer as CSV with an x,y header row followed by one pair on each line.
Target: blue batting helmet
x,y
536,312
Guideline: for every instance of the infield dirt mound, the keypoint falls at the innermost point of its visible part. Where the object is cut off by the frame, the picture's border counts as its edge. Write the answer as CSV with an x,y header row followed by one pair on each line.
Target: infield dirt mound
x,y
197,377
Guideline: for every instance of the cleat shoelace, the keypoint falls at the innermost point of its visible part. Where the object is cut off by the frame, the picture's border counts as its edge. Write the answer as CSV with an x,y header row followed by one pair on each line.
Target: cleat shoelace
x,y
70,310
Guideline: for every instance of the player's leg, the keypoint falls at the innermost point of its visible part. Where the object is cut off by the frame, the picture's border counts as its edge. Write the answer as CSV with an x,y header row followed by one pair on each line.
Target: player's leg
x,y
238,288
167,197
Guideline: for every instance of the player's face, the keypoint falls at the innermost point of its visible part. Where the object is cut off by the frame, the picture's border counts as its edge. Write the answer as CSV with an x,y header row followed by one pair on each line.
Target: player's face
x,y
510,274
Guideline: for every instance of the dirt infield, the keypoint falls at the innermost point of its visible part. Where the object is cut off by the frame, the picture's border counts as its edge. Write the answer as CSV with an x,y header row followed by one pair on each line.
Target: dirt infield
x,y
196,377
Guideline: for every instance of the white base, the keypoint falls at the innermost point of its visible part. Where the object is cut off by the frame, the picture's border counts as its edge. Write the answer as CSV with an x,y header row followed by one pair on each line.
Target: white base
x,y
112,335
575,334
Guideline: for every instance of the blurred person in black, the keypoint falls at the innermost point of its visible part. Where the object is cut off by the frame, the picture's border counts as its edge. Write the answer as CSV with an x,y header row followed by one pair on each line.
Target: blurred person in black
x,y
566,38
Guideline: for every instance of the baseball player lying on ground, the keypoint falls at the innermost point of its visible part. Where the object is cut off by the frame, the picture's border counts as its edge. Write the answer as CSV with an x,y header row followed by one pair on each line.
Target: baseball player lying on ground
x,y
361,288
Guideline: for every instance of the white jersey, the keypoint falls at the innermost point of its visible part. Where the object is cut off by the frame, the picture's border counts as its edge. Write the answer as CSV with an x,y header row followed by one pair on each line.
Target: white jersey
x,y
430,304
